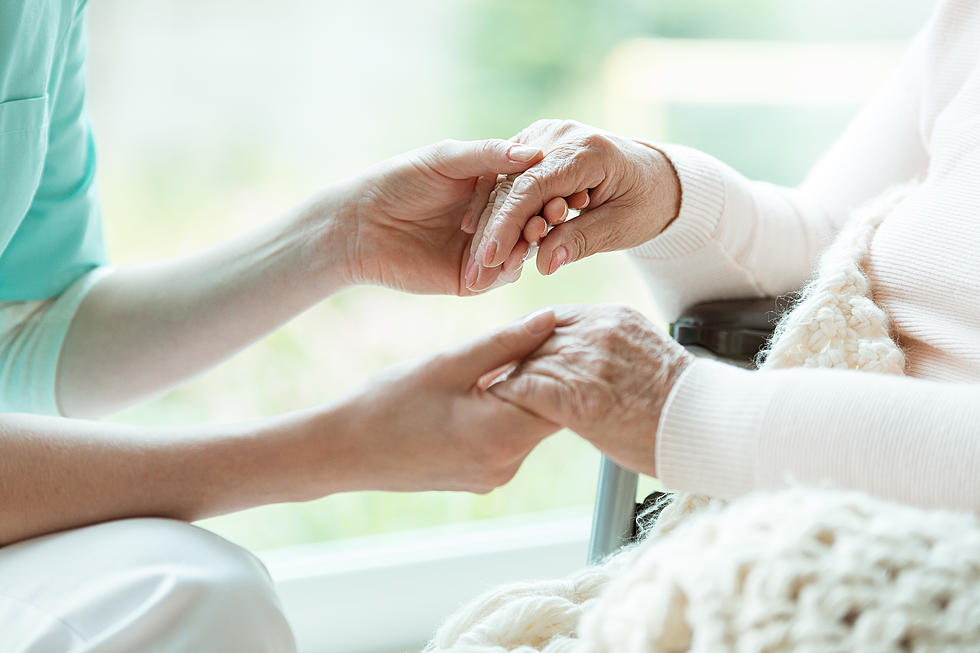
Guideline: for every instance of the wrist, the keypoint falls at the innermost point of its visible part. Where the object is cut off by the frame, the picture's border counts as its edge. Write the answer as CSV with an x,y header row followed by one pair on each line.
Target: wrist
x,y
342,446
663,187
331,221
297,456
312,452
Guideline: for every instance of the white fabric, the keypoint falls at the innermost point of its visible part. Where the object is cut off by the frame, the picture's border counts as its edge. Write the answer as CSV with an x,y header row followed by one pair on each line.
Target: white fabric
x,y
137,585
915,438
804,570
31,337
797,570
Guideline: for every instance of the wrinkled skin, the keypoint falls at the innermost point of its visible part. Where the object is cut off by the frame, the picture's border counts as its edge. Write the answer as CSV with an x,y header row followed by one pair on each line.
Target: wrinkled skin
x,y
605,373
627,191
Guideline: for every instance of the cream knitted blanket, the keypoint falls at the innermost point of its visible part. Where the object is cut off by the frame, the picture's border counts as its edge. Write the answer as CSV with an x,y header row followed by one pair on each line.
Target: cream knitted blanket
x,y
797,570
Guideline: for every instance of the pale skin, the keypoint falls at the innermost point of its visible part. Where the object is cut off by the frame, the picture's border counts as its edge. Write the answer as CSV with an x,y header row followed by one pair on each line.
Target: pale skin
x,y
424,425
627,190
147,328
606,372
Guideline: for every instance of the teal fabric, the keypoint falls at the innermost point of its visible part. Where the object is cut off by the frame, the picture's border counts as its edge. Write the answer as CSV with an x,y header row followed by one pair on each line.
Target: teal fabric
x,y
50,222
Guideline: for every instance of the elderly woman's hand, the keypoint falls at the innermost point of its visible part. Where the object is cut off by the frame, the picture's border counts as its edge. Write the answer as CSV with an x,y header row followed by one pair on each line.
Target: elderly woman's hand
x,y
605,373
628,193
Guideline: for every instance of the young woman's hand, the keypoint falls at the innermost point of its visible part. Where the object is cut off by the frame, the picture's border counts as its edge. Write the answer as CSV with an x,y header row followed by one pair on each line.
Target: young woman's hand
x,y
427,424
408,222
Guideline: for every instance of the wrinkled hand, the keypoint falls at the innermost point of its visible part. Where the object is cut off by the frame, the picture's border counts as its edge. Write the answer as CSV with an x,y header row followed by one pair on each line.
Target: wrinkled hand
x,y
627,191
405,228
605,373
427,425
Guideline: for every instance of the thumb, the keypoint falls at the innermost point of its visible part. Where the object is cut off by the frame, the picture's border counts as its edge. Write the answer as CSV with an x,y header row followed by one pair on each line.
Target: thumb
x,y
591,232
473,359
465,159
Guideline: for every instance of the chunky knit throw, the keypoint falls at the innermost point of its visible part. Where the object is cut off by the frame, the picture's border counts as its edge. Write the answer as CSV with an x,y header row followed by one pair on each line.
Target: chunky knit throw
x,y
803,569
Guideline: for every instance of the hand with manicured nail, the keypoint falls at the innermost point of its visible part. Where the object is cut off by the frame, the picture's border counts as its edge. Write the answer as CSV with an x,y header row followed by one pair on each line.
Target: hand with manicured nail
x,y
627,192
409,220
429,424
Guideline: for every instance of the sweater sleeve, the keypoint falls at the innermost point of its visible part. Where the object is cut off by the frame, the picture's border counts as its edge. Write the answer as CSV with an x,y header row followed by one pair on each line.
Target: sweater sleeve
x,y
737,238
725,431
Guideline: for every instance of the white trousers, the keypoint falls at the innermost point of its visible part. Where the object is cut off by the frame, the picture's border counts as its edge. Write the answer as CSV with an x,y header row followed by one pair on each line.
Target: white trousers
x,y
137,585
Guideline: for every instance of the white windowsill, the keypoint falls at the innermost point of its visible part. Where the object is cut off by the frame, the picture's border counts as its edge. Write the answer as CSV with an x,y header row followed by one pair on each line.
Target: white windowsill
x,y
389,593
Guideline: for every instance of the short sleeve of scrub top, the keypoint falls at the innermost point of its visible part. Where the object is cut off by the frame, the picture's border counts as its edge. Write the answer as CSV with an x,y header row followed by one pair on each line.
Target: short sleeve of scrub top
x,y
52,248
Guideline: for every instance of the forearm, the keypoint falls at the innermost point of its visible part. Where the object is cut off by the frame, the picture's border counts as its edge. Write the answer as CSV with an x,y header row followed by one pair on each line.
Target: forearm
x,y
145,328
58,473
727,431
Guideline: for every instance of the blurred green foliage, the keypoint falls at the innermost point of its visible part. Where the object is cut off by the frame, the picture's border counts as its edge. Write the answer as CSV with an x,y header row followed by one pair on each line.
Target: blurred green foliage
x,y
528,60
796,20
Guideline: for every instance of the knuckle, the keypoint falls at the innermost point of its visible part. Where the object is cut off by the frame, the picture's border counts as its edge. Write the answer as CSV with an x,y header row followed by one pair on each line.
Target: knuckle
x,y
578,244
569,153
596,141
528,184
580,153
492,146
446,145
505,341
554,125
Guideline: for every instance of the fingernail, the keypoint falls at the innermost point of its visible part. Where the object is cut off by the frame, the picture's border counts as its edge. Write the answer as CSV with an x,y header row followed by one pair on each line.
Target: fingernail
x,y
558,258
522,153
539,321
489,251
471,273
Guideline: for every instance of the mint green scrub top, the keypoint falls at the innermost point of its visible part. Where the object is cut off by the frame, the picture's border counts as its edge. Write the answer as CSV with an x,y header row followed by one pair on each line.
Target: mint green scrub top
x,y
50,222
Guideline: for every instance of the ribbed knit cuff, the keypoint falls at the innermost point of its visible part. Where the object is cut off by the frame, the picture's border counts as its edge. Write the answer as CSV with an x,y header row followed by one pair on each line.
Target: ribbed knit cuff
x,y
702,203
708,432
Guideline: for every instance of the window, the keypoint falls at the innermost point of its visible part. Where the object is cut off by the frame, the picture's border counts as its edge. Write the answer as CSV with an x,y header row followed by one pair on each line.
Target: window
x,y
213,118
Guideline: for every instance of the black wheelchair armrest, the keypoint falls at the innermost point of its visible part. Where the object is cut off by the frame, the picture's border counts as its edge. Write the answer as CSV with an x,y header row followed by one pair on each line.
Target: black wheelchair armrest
x,y
735,330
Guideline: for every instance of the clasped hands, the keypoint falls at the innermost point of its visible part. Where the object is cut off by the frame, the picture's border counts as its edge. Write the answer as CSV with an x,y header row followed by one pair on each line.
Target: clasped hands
x,y
416,223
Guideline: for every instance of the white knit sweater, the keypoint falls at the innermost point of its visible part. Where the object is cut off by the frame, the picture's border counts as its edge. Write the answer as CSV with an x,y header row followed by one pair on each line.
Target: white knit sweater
x,y
725,431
